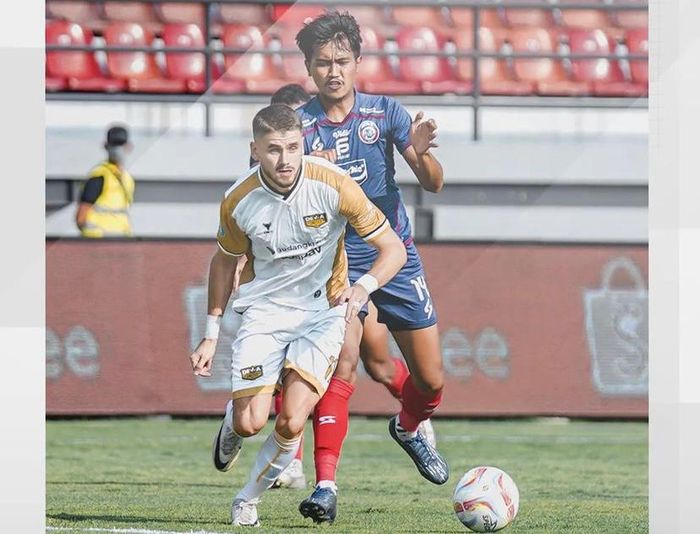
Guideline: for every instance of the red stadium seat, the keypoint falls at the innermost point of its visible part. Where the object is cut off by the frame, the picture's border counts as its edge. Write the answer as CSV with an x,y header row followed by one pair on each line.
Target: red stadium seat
x,y
463,17
139,12
373,69
638,43
429,17
638,18
79,69
85,14
295,15
432,74
249,14
365,15
186,66
53,85
606,75
176,13
138,69
548,75
589,19
251,72
539,18
495,77
294,66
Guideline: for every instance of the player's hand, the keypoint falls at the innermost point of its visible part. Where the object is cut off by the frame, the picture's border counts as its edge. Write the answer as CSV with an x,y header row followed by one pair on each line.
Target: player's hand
x,y
242,260
423,134
330,154
356,297
203,357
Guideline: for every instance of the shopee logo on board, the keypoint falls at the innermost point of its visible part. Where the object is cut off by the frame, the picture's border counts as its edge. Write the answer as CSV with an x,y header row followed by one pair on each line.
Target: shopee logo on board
x,y
77,353
487,352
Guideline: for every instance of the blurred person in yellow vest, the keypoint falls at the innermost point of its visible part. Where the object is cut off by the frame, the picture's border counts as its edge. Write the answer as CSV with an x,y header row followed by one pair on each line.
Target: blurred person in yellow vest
x,y
108,193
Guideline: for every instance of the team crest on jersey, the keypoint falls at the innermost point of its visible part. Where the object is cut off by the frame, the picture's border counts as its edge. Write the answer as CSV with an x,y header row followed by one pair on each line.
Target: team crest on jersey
x,y
252,373
316,220
368,132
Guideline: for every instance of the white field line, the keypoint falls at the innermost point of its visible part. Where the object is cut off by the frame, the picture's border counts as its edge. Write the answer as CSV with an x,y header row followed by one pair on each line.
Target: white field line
x,y
128,530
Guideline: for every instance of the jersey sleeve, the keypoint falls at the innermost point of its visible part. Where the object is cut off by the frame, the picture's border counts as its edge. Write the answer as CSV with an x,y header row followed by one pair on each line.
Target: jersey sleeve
x,y
230,238
399,125
367,220
92,190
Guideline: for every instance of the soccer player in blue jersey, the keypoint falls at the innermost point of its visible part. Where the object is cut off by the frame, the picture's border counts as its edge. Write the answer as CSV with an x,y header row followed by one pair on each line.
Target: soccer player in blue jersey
x,y
360,133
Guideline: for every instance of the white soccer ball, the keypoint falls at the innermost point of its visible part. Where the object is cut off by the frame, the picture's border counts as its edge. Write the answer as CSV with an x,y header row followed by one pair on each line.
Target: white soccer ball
x,y
486,499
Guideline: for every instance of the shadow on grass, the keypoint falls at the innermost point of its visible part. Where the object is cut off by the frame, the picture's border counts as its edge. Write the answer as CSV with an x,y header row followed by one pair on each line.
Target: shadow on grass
x,y
123,519
130,483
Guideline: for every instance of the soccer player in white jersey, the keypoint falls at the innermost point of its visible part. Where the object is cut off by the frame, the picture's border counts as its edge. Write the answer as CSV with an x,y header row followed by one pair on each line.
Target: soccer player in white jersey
x,y
289,217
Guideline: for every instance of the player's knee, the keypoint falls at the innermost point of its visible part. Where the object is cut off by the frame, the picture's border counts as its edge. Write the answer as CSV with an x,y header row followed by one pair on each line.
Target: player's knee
x,y
247,427
290,426
429,385
347,364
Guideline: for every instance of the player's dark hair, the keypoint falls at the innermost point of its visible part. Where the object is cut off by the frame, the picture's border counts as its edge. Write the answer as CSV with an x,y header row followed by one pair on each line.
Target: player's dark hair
x,y
275,118
290,95
331,26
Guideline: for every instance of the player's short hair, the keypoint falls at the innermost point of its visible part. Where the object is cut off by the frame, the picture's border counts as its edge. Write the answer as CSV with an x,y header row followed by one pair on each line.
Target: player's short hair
x,y
275,118
290,95
331,26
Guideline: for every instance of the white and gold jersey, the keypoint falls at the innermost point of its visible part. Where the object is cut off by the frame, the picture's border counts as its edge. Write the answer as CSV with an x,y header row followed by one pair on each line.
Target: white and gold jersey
x,y
295,240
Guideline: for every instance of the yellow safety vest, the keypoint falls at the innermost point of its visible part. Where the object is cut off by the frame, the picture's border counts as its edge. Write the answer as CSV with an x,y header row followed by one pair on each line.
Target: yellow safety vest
x,y
109,215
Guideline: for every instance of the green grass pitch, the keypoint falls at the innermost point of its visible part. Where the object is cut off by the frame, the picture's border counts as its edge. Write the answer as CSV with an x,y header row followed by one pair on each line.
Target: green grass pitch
x,y
142,475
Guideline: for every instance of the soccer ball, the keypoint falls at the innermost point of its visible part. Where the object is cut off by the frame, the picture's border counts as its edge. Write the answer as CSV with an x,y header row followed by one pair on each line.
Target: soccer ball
x,y
486,499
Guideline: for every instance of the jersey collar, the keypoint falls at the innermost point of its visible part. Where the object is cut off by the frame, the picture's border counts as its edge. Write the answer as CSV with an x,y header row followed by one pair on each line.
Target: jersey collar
x,y
289,195
353,111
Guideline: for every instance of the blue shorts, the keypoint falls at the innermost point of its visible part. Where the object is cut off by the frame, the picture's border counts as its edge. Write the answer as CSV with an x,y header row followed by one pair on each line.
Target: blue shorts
x,y
404,303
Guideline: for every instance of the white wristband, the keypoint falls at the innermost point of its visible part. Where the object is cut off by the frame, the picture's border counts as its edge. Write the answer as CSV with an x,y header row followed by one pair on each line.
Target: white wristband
x,y
369,282
213,325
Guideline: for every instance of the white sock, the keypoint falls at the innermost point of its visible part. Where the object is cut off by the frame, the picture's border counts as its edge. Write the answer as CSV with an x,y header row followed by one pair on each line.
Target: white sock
x,y
402,433
274,456
327,484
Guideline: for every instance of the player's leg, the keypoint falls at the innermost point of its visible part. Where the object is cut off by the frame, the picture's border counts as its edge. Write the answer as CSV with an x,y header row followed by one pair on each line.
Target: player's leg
x,y
404,305
383,367
421,395
279,449
255,366
330,419
293,477
380,365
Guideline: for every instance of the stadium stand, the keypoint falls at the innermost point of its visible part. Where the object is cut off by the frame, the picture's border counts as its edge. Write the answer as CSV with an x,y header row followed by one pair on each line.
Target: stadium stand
x,y
77,70
137,12
430,51
252,71
137,69
177,13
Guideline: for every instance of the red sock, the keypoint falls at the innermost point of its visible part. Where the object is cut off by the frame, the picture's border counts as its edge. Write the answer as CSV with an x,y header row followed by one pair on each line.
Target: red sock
x,y
417,406
278,403
400,375
331,427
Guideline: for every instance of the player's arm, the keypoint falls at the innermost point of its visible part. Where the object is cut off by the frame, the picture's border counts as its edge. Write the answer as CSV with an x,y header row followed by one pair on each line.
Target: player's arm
x,y
233,244
91,191
423,163
372,225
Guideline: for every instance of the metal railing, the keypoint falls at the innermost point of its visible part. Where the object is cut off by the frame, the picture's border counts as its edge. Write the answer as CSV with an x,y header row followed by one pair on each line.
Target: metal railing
x,y
474,100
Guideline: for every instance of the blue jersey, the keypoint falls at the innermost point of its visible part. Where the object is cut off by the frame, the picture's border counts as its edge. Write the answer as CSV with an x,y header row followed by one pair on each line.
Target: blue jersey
x,y
364,143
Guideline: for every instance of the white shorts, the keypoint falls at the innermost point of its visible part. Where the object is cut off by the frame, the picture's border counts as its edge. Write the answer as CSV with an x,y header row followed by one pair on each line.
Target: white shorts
x,y
274,338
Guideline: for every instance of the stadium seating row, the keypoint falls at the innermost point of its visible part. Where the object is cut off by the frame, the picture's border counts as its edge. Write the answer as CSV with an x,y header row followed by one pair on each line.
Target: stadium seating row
x,y
256,72
152,16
